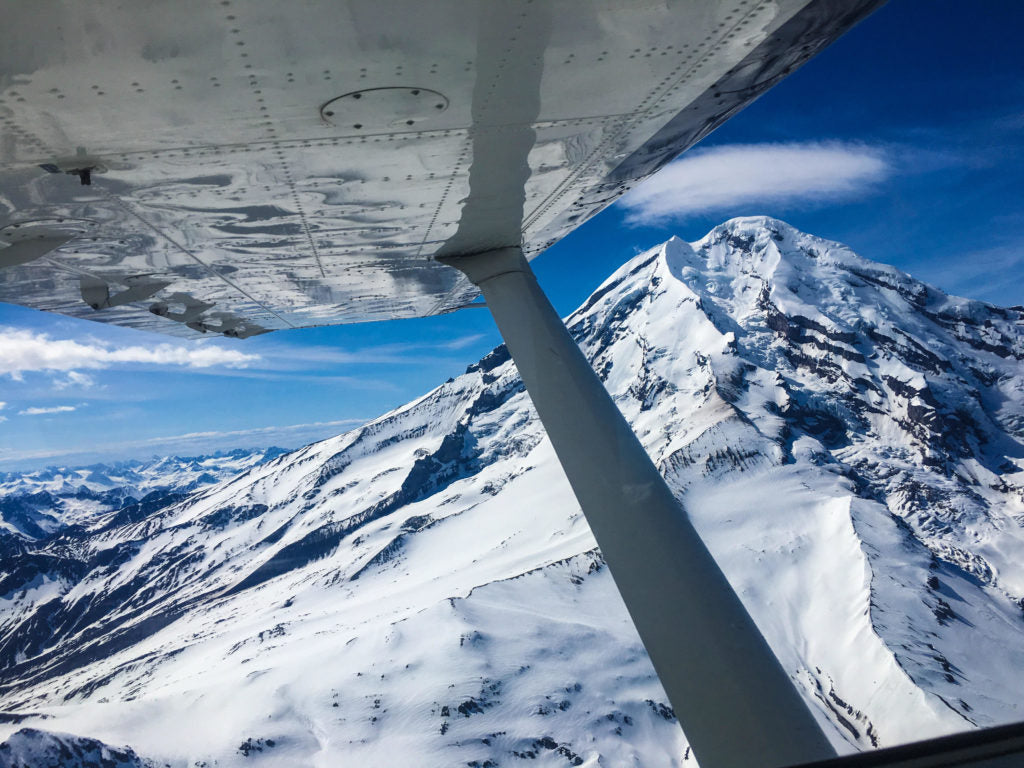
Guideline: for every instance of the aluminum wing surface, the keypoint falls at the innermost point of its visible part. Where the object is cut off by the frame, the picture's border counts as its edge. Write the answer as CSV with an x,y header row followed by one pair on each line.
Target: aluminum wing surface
x,y
237,166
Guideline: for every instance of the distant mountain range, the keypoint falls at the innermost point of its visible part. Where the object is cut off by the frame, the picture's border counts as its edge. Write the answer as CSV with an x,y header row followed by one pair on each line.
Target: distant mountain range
x,y
424,590
37,504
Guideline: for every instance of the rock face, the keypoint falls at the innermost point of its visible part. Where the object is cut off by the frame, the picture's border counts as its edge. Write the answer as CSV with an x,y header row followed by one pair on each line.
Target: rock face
x,y
424,590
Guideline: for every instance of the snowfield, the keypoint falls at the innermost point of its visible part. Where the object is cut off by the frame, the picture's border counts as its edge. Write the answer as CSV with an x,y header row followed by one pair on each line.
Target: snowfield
x,y
425,591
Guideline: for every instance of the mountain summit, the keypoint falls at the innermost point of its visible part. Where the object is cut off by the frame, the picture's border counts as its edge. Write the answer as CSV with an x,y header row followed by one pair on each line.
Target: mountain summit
x,y
424,590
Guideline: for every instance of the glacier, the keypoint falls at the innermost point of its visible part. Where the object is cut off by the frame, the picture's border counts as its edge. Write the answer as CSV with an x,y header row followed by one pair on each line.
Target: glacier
x,y
847,440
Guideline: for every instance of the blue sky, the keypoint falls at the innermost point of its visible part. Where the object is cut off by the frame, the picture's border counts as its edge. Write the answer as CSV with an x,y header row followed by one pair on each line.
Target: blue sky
x,y
904,140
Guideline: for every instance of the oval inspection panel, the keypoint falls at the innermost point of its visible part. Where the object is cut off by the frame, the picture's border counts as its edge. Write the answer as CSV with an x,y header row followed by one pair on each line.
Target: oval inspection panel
x,y
375,109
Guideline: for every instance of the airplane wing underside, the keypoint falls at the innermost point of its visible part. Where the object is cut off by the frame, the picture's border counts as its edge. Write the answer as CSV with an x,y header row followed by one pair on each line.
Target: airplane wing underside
x,y
239,166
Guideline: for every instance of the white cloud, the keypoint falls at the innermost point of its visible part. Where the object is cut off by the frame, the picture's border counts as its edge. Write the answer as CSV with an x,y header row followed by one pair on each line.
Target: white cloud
x,y
722,178
74,380
23,351
43,411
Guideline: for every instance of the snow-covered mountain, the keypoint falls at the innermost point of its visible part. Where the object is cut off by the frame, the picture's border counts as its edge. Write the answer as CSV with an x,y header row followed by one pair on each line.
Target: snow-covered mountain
x,y
425,591
41,502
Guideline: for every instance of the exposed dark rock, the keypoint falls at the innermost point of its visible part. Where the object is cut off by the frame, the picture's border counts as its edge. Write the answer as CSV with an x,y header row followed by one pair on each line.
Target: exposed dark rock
x,y
254,746
663,711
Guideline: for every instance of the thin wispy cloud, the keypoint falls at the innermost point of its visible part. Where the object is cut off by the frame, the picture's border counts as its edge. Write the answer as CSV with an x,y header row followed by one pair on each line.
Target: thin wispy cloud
x,y
979,274
190,443
409,353
720,179
289,377
256,431
74,380
23,351
46,411
463,341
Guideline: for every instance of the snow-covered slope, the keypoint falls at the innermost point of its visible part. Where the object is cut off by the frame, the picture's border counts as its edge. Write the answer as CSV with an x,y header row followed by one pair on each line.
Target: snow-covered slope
x,y
425,591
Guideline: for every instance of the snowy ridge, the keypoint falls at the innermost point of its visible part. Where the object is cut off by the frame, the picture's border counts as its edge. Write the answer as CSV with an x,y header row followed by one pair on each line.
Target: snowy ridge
x,y
424,589
30,747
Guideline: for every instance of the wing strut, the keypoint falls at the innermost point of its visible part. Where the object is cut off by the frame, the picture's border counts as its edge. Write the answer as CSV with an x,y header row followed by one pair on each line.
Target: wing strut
x,y
735,703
